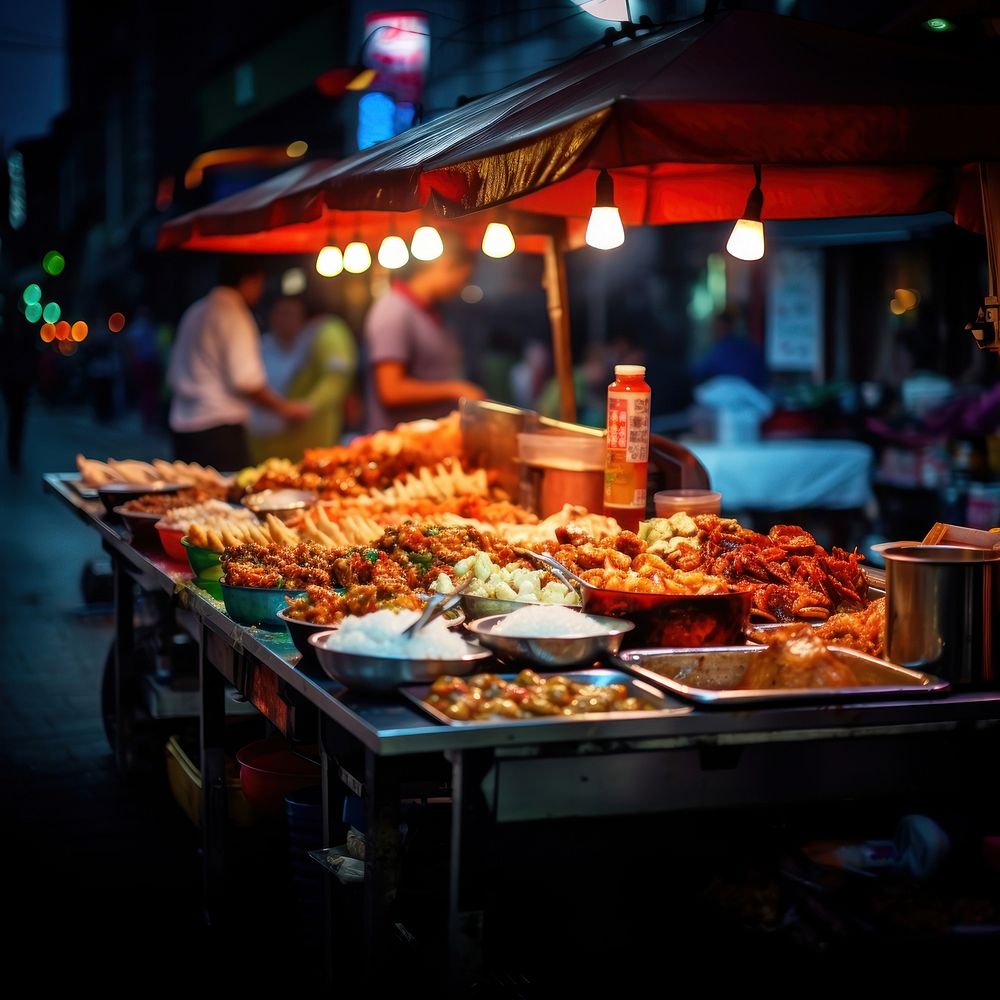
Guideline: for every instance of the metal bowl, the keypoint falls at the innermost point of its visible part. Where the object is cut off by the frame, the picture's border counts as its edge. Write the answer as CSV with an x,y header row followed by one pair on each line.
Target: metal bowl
x,y
552,651
281,503
114,494
300,632
257,605
382,674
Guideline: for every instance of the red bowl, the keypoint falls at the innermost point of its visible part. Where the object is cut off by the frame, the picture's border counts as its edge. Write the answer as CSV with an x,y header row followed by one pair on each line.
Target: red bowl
x,y
269,771
170,539
674,620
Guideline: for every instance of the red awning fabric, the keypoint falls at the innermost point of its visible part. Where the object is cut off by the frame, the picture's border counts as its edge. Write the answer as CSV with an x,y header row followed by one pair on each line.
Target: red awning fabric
x,y
843,124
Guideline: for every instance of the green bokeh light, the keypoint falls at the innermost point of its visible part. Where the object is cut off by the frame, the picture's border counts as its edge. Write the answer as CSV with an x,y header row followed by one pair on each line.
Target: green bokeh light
x,y
33,312
939,24
32,294
53,262
51,312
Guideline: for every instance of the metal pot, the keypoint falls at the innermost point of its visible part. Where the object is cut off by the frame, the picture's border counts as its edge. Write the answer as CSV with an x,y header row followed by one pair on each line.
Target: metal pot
x,y
943,611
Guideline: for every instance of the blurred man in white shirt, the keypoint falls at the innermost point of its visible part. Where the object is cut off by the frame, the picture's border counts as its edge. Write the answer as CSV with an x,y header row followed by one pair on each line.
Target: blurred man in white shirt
x,y
216,372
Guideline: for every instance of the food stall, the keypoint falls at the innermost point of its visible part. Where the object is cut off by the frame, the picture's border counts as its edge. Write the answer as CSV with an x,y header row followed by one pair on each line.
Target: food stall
x,y
680,744
679,741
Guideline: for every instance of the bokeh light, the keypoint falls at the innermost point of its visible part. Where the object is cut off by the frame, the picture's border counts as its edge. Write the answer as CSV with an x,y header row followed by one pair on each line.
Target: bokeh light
x,y
51,312
67,348
116,322
33,312
78,331
32,294
53,262
297,149
47,332
62,330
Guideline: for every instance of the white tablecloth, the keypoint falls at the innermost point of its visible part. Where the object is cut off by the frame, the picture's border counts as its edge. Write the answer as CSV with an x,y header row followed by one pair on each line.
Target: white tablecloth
x,y
788,475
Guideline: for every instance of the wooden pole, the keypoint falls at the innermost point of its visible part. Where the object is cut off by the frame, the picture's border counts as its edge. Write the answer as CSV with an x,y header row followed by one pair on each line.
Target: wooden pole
x,y
989,184
557,300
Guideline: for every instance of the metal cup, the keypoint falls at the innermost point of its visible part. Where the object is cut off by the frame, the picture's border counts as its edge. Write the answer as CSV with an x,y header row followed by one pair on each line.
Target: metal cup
x,y
943,611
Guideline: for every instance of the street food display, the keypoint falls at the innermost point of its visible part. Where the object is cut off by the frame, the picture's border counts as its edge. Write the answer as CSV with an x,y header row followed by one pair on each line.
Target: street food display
x,y
488,696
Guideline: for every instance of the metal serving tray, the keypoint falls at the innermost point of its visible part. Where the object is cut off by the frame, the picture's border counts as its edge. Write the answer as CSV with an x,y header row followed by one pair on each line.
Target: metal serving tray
x,y
709,676
636,688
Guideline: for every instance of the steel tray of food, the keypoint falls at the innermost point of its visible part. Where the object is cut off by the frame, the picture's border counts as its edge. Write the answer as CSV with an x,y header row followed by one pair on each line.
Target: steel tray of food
x,y
527,697
746,675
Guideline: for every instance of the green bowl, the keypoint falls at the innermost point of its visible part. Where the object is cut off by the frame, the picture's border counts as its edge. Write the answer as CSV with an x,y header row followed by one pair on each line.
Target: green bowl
x,y
204,562
257,605
211,587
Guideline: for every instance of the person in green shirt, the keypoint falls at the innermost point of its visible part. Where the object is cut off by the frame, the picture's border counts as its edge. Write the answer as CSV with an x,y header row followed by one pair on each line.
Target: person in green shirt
x,y
313,359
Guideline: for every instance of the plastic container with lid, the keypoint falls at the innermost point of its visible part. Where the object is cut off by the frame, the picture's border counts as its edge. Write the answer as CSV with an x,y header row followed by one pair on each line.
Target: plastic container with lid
x,y
627,457
669,502
570,469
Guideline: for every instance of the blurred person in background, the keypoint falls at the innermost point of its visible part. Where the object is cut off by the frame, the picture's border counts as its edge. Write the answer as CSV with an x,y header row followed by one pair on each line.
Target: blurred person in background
x,y
731,353
414,361
216,372
309,359
529,375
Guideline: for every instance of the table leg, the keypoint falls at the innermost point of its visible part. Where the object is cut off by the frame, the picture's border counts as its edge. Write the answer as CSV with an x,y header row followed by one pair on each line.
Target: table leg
x,y
383,849
212,689
470,836
125,679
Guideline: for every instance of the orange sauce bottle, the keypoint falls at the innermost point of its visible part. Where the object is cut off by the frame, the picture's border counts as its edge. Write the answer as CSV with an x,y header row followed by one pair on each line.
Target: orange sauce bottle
x,y
627,457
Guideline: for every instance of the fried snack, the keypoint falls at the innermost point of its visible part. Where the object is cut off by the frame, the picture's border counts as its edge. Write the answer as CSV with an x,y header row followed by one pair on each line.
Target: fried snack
x,y
797,658
863,630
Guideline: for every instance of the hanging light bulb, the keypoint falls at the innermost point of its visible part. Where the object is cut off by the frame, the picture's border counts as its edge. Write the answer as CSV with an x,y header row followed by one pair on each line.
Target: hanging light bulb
x,y
426,243
357,257
498,240
605,230
746,241
329,261
393,253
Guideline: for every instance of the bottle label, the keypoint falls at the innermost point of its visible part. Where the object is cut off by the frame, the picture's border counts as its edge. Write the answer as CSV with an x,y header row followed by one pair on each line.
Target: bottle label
x,y
628,424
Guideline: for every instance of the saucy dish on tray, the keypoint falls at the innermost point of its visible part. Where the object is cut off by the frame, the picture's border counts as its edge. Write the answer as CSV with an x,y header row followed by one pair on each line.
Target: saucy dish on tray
x,y
486,697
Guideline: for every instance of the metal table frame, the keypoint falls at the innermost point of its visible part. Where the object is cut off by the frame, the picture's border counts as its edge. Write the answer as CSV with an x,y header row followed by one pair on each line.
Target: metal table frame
x,y
682,758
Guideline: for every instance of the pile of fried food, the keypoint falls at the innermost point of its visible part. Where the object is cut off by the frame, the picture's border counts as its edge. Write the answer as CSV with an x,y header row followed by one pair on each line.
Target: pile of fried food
x,y
94,473
789,575
163,503
487,696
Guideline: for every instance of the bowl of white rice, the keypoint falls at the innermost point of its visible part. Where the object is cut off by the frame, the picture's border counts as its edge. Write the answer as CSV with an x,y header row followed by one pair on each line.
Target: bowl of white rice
x,y
548,635
369,653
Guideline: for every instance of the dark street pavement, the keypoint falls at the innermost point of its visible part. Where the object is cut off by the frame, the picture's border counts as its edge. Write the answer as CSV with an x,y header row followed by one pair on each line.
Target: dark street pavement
x,y
102,877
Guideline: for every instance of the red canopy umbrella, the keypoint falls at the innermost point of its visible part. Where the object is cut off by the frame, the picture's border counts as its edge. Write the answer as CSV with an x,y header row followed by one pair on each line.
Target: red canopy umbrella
x,y
842,124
